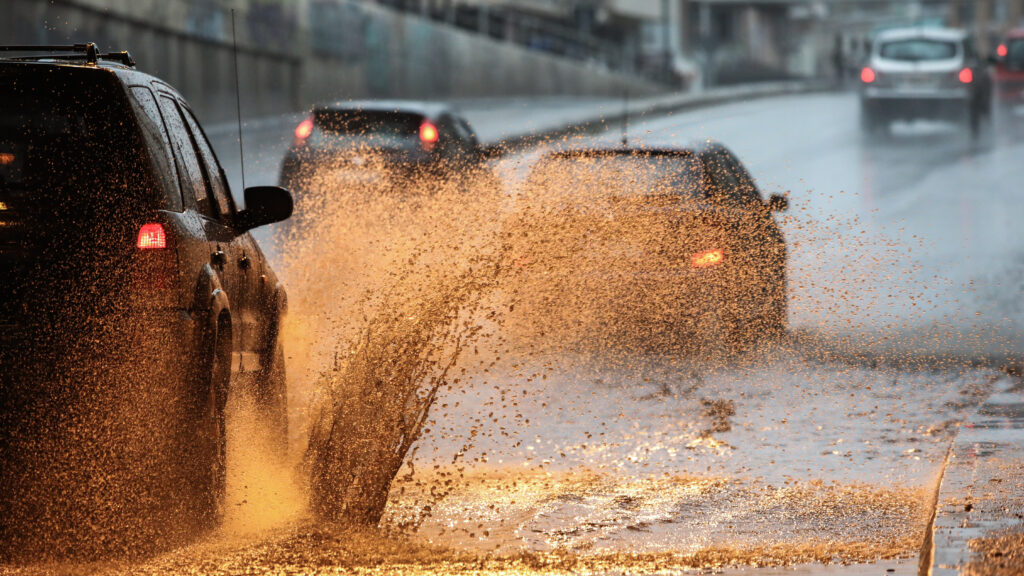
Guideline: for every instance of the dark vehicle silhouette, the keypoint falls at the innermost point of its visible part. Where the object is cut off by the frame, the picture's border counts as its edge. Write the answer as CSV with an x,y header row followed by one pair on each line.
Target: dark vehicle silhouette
x,y
380,142
673,237
132,301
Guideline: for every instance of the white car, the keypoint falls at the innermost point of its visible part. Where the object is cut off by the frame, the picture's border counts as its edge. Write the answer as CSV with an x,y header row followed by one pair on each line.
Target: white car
x,y
923,73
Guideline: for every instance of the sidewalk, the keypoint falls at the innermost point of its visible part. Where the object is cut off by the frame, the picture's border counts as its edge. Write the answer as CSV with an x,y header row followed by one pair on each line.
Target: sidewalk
x,y
979,520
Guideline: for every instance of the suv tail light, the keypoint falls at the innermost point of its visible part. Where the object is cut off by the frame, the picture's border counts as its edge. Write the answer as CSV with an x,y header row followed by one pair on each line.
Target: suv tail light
x,y
152,237
303,130
867,75
1002,51
155,266
966,76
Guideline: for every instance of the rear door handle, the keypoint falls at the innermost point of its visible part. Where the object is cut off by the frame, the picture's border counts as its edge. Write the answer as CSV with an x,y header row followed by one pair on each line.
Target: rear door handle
x,y
218,258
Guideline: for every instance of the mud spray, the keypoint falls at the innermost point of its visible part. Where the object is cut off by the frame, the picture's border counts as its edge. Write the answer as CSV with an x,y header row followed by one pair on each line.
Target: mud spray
x,y
436,323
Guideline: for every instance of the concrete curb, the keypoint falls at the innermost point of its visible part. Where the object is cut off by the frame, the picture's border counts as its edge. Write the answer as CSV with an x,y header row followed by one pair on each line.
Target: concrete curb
x,y
661,105
978,496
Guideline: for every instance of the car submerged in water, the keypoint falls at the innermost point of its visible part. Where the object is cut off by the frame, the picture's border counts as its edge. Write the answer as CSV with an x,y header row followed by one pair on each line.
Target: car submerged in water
x,y
659,240
134,302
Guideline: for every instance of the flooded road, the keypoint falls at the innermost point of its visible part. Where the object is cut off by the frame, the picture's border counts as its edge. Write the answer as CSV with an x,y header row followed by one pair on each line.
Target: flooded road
x,y
823,448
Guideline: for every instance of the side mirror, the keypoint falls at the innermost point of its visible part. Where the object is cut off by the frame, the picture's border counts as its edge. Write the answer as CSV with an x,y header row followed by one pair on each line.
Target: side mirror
x,y
264,205
778,203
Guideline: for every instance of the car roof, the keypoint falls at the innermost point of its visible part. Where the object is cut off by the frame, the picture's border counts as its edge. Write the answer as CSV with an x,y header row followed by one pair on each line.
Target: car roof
x,y
420,107
694,148
1015,33
951,34
126,74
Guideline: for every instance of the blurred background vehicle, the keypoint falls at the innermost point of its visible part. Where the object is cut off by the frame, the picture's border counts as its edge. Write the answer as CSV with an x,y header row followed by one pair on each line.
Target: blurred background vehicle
x,y
923,73
1008,77
368,142
132,295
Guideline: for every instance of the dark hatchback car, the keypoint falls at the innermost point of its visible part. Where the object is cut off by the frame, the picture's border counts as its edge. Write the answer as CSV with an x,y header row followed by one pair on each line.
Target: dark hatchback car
x,y
132,297
363,142
680,236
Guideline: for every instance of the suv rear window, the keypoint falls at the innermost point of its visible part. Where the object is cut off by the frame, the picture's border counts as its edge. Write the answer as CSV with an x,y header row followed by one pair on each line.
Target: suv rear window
x,y
622,175
67,141
918,49
366,128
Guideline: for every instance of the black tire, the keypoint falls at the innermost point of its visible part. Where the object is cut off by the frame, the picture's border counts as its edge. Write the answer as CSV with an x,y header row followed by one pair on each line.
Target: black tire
x,y
974,122
867,120
873,125
272,400
206,465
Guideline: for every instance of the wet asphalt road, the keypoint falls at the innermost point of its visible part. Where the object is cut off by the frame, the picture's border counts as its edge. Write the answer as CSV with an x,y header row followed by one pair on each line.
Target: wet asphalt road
x,y
789,456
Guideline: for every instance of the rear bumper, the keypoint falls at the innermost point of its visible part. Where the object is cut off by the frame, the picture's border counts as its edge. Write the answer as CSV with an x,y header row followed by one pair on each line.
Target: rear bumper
x,y
156,342
943,105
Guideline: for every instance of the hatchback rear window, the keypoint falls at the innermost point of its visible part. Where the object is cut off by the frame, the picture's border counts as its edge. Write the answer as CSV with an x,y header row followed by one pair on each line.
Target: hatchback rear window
x,y
622,175
918,50
366,128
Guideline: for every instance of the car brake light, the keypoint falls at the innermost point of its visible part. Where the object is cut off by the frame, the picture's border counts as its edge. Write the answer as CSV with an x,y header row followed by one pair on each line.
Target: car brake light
x,y
428,132
1001,51
867,75
152,237
303,130
966,76
707,258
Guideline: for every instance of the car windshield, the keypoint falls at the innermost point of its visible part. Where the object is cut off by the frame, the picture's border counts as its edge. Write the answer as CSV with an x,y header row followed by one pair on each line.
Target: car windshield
x,y
917,50
621,175
357,128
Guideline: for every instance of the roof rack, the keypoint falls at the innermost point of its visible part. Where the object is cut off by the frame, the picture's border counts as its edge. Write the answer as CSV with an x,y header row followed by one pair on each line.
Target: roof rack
x,y
89,50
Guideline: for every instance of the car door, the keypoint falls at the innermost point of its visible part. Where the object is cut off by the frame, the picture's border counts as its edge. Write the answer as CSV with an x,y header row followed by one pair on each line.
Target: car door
x,y
247,260
213,216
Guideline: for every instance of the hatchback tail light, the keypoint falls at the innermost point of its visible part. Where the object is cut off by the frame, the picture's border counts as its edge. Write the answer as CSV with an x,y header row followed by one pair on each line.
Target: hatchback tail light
x,y
966,76
867,75
428,132
1001,51
303,130
707,258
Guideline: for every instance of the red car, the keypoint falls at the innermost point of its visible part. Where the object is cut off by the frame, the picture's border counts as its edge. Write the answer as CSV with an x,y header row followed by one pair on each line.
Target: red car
x,y
1008,75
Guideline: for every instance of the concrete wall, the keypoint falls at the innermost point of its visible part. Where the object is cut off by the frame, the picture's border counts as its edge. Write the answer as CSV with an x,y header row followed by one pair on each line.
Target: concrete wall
x,y
382,54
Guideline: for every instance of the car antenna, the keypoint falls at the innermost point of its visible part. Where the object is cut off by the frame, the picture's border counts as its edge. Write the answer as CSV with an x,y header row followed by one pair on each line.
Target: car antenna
x,y
625,117
238,97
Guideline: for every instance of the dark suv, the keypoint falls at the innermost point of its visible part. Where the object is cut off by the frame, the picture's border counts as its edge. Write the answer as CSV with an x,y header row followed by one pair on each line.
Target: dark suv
x,y
132,298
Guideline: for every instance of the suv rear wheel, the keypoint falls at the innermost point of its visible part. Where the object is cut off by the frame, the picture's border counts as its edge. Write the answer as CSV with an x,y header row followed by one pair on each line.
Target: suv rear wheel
x,y
208,465
272,400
